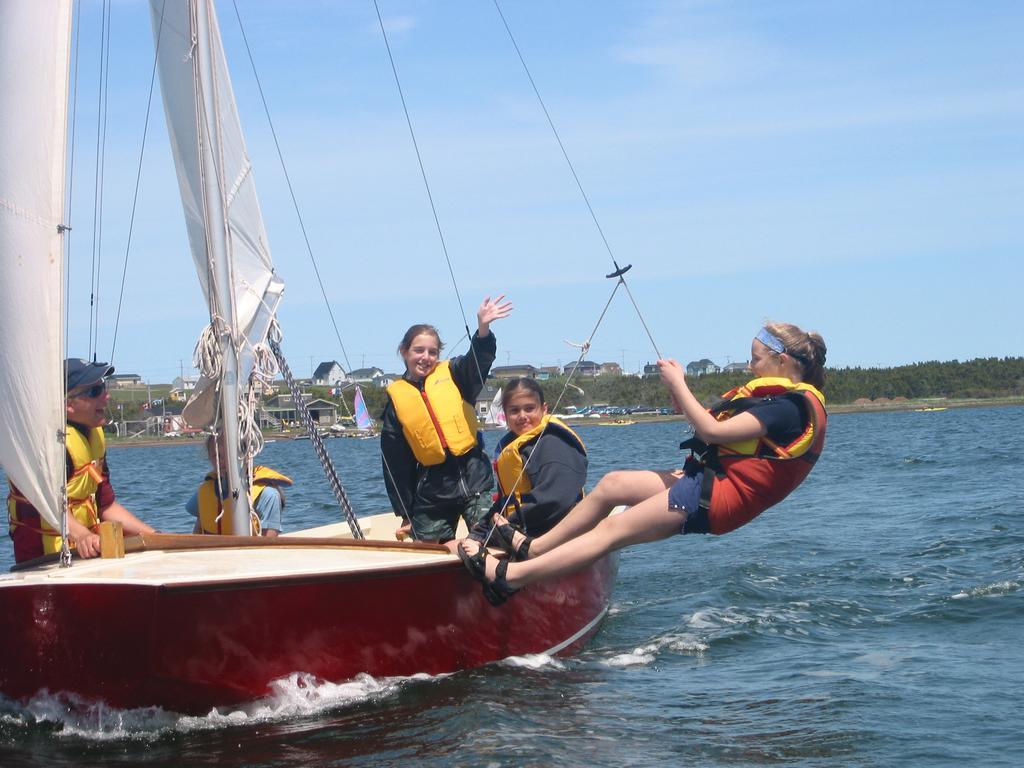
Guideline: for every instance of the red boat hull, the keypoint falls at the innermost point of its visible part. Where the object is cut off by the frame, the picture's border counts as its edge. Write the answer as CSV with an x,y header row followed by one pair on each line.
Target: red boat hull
x,y
190,648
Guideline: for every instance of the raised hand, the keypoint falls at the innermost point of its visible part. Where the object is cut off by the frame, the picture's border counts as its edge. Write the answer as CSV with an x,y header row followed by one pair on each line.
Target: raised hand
x,y
490,311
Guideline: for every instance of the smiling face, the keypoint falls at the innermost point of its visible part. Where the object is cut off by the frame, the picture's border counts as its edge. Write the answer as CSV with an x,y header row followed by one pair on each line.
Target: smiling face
x,y
90,412
523,410
421,355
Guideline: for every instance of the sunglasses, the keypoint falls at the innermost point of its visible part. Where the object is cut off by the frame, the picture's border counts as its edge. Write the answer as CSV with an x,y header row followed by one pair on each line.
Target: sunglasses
x,y
94,391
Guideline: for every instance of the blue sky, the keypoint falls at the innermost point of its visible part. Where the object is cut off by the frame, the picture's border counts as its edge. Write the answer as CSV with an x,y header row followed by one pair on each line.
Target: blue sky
x,y
854,167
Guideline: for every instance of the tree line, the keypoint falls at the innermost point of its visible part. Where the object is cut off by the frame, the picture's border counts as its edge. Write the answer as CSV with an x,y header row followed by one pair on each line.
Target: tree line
x,y
990,377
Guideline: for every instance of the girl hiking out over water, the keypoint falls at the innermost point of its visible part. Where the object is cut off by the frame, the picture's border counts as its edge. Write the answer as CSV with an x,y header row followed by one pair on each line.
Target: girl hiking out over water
x,y
749,453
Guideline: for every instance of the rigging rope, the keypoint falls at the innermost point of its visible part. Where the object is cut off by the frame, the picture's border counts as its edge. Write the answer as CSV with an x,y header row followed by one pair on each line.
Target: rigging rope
x,y
97,207
584,348
318,443
73,131
619,271
138,180
295,202
62,488
426,185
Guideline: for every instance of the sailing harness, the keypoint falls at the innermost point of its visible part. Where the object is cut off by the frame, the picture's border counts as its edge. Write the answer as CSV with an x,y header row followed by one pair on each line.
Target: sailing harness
x,y
741,480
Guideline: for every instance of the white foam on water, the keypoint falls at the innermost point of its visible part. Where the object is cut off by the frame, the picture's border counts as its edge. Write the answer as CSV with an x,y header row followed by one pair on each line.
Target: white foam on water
x,y
881,659
534,661
295,696
638,658
647,654
999,589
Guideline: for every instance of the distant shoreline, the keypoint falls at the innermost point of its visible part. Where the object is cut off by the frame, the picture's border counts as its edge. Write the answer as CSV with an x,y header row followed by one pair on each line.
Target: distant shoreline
x,y
930,404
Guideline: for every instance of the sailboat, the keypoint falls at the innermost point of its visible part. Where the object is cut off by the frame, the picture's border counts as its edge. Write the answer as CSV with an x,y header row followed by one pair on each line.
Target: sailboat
x,y
192,622
362,414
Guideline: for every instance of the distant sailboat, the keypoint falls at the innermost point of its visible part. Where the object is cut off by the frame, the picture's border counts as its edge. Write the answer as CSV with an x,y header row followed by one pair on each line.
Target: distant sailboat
x,y
495,411
363,420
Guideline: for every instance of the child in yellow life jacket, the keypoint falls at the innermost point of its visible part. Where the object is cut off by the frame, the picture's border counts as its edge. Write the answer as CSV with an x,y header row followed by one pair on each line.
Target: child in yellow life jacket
x,y
213,510
541,465
751,452
435,467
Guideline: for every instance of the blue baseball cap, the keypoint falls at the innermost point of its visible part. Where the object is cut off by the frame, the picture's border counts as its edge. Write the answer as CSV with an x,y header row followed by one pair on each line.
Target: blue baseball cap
x,y
82,373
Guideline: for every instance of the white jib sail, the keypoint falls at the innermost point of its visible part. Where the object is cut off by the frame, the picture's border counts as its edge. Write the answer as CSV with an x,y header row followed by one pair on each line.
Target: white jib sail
x,y
210,153
34,54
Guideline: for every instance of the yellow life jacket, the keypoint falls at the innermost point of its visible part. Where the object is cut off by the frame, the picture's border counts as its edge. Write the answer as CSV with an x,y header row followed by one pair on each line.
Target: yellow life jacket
x,y
86,475
509,464
769,386
436,418
211,505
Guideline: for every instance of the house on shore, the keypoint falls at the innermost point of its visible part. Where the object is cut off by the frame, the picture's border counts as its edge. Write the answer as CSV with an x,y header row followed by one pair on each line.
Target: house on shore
x,y
182,387
513,372
329,374
124,380
701,367
280,411
583,368
365,375
546,372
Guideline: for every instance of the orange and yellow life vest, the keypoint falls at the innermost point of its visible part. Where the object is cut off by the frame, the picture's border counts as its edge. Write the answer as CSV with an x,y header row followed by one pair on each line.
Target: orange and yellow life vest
x,y
436,418
743,479
86,453
216,515
509,464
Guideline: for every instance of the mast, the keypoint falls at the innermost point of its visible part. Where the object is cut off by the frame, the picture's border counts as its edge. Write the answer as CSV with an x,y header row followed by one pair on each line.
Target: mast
x,y
221,294
224,224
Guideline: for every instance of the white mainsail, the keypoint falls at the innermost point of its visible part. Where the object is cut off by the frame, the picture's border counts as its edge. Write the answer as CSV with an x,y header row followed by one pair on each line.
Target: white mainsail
x,y
218,193
35,39
222,214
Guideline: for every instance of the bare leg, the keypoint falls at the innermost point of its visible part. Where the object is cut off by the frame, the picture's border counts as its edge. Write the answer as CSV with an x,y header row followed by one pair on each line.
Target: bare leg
x,y
615,488
650,520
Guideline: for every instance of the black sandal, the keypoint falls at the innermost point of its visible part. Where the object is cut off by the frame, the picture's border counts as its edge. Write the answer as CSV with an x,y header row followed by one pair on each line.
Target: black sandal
x,y
505,534
496,591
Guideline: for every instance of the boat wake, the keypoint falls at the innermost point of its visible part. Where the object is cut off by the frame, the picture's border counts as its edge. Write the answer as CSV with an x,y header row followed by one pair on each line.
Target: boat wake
x,y
534,661
999,589
297,696
684,642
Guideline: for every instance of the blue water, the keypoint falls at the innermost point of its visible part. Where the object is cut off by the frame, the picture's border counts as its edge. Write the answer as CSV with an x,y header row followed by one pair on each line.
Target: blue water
x,y
874,618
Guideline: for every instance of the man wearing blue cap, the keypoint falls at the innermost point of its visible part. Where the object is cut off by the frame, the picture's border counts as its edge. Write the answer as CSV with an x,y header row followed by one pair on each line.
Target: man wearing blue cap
x,y
90,494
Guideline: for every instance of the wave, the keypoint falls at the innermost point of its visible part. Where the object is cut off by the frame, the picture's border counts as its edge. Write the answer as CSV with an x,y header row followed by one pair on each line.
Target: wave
x,y
534,661
298,695
999,589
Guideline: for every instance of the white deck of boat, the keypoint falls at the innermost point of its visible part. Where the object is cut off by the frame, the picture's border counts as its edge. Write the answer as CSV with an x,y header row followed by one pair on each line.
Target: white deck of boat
x,y
183,567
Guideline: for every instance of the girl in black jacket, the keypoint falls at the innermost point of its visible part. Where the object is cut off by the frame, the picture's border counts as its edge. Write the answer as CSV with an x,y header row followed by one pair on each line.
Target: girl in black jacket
x,y
431,491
